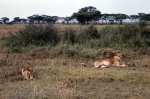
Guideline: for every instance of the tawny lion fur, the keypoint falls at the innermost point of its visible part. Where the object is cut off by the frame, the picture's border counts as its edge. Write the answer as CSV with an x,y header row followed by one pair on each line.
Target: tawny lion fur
x,y
108,54
27,73
113,61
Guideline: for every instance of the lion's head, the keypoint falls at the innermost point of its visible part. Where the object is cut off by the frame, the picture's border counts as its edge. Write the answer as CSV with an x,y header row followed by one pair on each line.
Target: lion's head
x,y
109,53
27,73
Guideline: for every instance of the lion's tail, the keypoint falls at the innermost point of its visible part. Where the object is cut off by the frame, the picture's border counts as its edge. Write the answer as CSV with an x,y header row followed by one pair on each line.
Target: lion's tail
x,y
86,65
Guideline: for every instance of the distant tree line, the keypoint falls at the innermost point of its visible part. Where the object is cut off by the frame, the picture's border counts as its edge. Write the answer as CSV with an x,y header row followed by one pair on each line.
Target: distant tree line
x,y
85,15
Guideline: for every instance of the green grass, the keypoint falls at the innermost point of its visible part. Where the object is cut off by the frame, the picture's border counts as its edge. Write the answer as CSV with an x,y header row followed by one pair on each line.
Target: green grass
x,y
130,36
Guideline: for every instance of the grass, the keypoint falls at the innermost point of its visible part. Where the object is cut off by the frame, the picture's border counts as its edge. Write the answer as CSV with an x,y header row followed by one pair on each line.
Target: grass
x,y
59,74
62,81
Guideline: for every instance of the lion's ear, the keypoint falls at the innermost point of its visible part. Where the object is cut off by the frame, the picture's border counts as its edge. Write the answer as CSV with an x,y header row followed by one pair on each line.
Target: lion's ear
x,y
99,51
30,69
23,69
116,53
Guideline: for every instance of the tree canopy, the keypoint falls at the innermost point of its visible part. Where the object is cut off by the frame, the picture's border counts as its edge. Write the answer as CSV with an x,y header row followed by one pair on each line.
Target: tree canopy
x,y
86,14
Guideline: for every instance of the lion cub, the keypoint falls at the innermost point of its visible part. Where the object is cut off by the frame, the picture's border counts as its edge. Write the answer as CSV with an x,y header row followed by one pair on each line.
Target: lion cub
x,y
113,61
27,73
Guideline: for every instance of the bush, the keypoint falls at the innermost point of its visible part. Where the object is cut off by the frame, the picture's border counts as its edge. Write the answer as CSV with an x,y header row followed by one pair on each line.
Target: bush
x,y
38,35
127,36
69,36
88,34
92,32
142,24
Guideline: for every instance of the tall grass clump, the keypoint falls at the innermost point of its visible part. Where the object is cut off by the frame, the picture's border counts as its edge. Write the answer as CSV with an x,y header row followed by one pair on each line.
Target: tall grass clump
x,y
72,36
132,36
38,35
109,37
69,36
135,36
88,34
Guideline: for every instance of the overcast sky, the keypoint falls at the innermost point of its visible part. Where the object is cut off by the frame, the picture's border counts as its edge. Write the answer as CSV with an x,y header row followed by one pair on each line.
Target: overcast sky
x,y
63,8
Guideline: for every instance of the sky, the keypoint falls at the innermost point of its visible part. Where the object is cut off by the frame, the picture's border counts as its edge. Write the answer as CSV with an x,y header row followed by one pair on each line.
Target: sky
x,y
63,8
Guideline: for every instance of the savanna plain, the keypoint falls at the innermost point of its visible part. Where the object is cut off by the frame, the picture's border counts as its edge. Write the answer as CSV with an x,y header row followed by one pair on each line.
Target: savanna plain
x,y
57,56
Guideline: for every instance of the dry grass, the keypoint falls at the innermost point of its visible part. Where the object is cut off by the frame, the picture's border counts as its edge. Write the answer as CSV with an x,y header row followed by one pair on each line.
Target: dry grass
x,y
5,29
64,78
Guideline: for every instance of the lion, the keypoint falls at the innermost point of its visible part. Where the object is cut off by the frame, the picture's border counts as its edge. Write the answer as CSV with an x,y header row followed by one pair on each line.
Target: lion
x,y
27,73
116,60
109,53
113,61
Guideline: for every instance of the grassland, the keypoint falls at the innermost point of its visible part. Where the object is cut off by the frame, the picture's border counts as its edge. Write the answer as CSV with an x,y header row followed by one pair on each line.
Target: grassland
x,y
61,76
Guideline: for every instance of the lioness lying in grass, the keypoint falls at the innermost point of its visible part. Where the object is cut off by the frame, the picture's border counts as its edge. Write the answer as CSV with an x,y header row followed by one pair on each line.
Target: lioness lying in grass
x,y
113,61
109,58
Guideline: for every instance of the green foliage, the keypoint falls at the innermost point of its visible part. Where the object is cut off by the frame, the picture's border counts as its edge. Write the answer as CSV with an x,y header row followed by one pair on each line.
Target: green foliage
x,y
88,34
82,17
142,24
127,36
38,35
92,32
86,14
69,36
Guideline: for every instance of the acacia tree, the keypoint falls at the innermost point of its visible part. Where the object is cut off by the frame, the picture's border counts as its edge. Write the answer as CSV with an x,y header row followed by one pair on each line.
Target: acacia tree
x,y
141,16
54,19
120,17
17,20
82,17
48,19
31,19
67,19
144,17
5,19
38,18
147,17
104,17
86,14
134,17
24,20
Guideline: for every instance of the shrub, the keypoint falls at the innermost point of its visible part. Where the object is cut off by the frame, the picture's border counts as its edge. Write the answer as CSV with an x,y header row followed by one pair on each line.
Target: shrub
x,y
88,34
142,24
69,36
92,32
38,35
129,36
